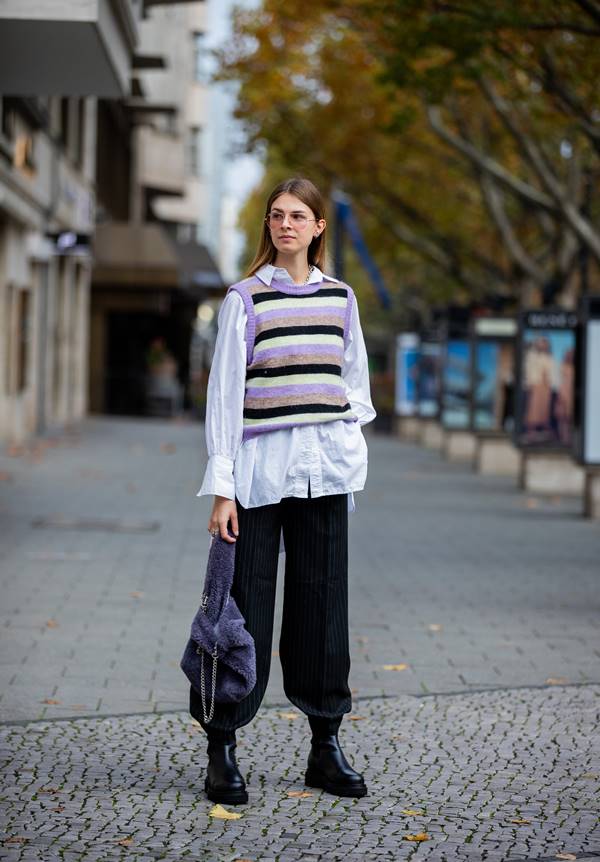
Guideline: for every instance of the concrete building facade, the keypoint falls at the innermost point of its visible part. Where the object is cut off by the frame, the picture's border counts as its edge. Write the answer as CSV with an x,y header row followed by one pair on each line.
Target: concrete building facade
x,y
55,59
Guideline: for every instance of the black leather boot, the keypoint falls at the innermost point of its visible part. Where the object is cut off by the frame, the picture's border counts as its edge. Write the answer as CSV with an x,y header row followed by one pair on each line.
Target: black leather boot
x,y
327,765
223,782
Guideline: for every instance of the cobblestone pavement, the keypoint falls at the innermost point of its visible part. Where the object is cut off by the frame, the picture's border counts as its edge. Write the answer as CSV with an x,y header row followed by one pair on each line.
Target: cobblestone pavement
x,y
493,775
475,665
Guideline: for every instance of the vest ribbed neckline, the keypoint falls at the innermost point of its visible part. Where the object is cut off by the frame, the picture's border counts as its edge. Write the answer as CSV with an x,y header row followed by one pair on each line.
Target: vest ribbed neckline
x,y
296,289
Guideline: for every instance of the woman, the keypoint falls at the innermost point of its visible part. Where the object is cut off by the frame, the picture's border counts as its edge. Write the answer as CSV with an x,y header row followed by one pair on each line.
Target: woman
x,y
287,393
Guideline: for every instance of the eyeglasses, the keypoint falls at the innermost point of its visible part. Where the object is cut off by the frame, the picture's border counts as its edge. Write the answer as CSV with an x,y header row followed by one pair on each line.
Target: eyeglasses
x,y
299,220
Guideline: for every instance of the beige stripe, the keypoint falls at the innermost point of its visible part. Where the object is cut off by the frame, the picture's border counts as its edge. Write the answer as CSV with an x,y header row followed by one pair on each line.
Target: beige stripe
x,y
284,400
297,359
297,418
301,320
285,379
292,302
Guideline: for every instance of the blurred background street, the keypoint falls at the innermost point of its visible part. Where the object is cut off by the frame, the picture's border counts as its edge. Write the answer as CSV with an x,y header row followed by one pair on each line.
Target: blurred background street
x,y
457,149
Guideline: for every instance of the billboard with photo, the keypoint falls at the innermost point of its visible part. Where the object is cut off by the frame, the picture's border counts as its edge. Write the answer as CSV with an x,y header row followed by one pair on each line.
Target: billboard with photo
x,y
456,384
429,379
407,367
493,374
546,379
587,405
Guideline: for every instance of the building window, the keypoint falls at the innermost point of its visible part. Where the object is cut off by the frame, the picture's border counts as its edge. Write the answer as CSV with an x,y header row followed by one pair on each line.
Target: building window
x,y
19,338
201,58
23,336
194,160
80,142
64,121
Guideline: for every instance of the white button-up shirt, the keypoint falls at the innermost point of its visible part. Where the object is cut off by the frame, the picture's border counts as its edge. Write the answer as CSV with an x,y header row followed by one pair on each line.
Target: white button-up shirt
x,y
276,464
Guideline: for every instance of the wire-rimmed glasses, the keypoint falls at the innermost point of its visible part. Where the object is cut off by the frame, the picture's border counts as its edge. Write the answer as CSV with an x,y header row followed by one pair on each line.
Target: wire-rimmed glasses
x,y
298,220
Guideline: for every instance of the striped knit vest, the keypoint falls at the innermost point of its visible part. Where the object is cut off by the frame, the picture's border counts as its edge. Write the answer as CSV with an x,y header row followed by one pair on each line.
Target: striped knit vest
x,y
295,341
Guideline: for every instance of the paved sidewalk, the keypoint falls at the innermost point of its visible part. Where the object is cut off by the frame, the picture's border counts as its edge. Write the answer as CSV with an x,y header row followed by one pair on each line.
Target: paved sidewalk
x,y
494,775
481,601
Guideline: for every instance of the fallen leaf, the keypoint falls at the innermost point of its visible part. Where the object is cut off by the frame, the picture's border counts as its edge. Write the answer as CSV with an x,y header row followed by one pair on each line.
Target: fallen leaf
x,y
557,680
565,856
299,794
5,477
410,811
49,790
125,842
362,639
51,624
16,839
357,717
222,813
136,595
520,820
419,836
58,808
167,447
395,666
591,775
49,700
434,627
275,653
78,706
532,504
290,715
354,690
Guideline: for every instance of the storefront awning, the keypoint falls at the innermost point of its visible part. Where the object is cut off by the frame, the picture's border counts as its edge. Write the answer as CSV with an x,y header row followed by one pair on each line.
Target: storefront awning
x,y
198,273
134,255
145,256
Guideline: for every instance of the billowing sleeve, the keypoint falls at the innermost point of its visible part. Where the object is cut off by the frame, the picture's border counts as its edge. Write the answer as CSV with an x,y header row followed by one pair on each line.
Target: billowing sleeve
x,y
223,425
355,370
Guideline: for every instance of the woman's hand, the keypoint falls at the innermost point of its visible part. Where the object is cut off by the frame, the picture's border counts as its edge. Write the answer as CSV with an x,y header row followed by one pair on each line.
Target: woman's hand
x,y
223,511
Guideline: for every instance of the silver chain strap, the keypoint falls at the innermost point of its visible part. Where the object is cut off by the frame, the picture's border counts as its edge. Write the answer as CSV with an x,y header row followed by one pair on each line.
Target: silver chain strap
x,y
200,651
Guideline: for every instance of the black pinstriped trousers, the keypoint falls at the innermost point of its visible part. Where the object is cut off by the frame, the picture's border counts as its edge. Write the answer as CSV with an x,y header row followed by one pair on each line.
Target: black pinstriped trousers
x,y
314,645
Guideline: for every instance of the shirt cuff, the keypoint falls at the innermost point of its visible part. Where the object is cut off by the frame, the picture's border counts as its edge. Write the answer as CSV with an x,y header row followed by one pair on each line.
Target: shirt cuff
x,y
218,477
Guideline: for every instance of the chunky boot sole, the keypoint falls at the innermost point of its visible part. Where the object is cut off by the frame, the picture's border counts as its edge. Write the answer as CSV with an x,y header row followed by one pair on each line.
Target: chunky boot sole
x,y
313,778
232,797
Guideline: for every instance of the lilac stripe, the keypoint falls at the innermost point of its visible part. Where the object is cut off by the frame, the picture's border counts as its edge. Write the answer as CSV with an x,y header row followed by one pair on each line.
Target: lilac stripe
x,y
298,312
252,430
298,349
294,389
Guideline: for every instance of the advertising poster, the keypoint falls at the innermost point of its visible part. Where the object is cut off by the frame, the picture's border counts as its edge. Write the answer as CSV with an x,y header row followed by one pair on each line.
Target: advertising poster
x,y
429,379
456,384
407,367
494,375
591,451
546,379
587,392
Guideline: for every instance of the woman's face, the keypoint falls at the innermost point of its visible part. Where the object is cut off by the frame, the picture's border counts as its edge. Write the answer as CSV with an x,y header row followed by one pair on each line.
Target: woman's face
x,y
292,224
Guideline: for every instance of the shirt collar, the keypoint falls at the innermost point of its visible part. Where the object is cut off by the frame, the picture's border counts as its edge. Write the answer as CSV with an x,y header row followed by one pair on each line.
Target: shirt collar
x,y
268,272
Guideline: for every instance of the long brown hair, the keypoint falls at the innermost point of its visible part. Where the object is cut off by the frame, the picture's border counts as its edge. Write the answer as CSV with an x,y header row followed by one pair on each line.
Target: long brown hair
x,y
309,194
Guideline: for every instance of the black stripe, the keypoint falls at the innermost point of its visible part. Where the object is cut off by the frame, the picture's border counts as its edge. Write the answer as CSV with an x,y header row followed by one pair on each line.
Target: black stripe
x,y
267,295
287,409
309,329
307,368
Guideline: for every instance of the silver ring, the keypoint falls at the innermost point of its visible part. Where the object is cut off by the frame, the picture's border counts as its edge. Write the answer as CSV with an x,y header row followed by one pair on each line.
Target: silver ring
x,y
213,532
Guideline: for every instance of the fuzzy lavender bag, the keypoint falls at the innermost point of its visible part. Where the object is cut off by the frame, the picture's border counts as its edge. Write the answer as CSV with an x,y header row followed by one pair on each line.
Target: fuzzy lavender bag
x,y
219,621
